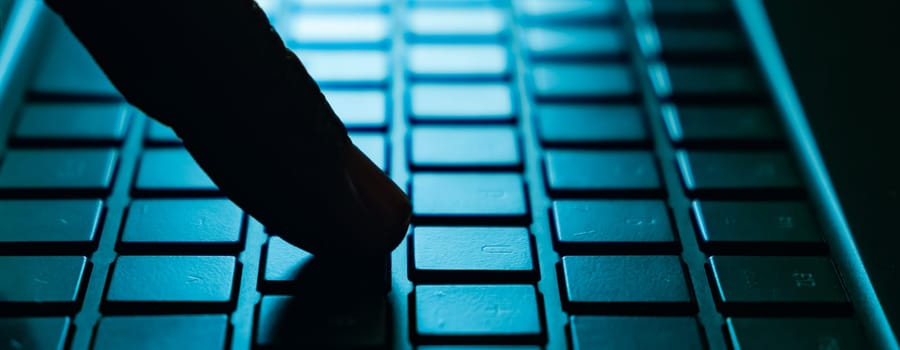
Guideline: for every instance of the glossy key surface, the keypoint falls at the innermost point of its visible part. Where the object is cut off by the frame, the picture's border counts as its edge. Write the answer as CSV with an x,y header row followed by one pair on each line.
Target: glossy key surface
x,y
583,81
49,225
41,283
795,333
572,125
160,134
374,146
162,332
468,198
458,62
67,69
693,44
718,173
79,172
182,225
34,332
171,172
575,42
477,23
94,123
697,125
476,311
756,227
336,29
347,68
458,254
568,11
601,173
612,226
282,262
635,332
474,102
705,83
485,147
359,108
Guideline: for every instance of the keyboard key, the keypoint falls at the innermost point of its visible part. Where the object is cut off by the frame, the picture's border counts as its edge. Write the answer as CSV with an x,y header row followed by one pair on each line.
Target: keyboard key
x,y
478,347
337,29
498,312
484,147
468,199
347,68
795,333
613,226
343,321
721,125
373,146
49,225
81,172
694,44
479,102
590,125
201,283
342,4
713,173
67,69
582,81
648,285
160,134
601,173
774,284
568,11
282,262
463,62
559,43
95,123
182,225
692,13
360,109
629,332
34,332
162,332
170,172
42,284
756,227
705,83
469,254
477,23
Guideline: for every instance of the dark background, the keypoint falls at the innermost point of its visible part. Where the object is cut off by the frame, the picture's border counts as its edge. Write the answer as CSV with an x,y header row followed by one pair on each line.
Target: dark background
x,y
844,57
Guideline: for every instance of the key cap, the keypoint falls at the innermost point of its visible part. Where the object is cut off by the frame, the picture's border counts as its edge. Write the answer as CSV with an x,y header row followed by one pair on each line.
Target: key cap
x,y
795,333
569,11
359,109
173,283
373,146
67,69
479,102
692,13
468,199
355,322
721,125
282,262
716,173
482,148
576,42
471,254
41,284
569,125
470,24
34,332
182,225
347,68
601,173
498,312
458,62
159,134
629,332
647,285
165,172
342,4
694,44
162,332
705,83
74,172
613,226
583,81
307,29
479,347
756,227
72,123
774,284
53,226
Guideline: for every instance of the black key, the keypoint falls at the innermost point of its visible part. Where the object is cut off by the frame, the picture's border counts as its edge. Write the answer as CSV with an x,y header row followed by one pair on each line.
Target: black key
x,y
162,332
452,313
374,147
34,333
337,30
323,322
693,13
721,125
613,226
163,172
468,199
159,134
49,225
348,68
601,173
41,284
756,227
170,283
458,61
695,44
457,24
773,284
484,147
795,333
68,69
282,263
569,11
182,225
56,123
629,332
705,83
583,81
714,173
77,172
476,102
360,109
590,125
467,254
648,285
569,43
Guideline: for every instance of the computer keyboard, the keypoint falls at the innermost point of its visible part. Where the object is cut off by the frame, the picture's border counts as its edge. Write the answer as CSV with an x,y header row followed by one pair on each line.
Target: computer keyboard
x,y
584,174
